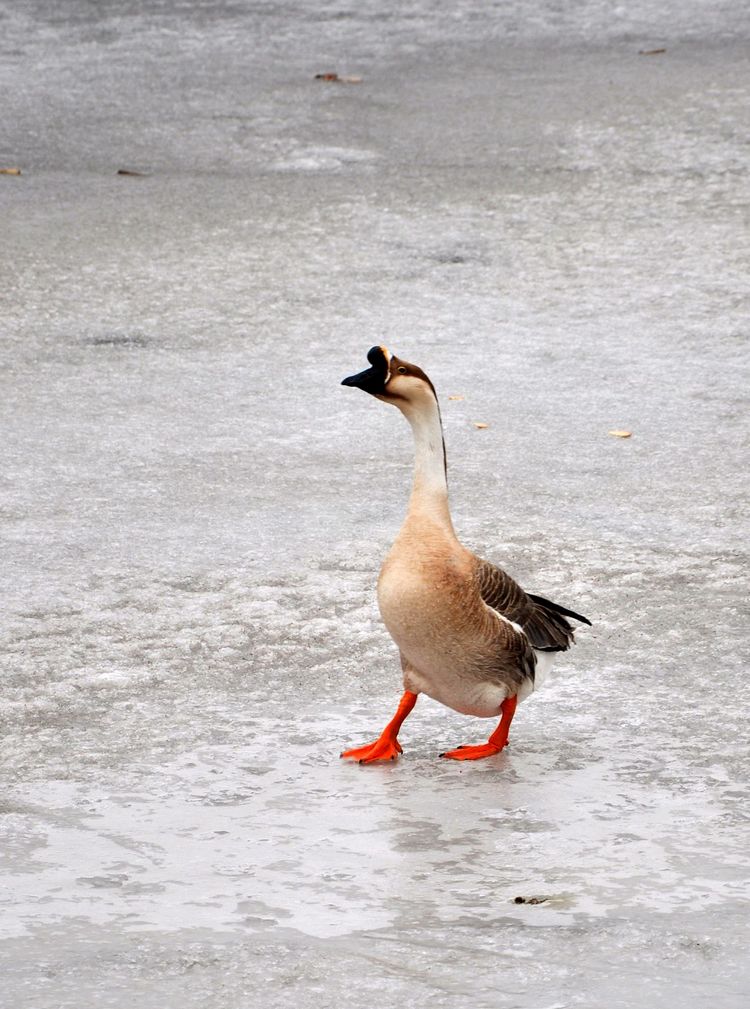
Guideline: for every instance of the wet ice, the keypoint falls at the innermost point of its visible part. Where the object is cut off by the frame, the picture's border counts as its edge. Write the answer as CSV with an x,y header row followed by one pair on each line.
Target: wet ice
x,y
194,512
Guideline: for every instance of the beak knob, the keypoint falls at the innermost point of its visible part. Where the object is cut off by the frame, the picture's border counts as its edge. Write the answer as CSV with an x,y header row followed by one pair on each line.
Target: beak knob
x,y
372,379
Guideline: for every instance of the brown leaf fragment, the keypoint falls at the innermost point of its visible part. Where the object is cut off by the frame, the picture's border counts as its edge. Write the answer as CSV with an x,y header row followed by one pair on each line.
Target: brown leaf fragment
x,y
10,171
651,52
456,398
621,434
339,80
129,171
480,425
530,900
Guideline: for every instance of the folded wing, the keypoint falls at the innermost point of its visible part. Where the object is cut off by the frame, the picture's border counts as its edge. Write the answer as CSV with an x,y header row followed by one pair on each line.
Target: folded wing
x,y
543,621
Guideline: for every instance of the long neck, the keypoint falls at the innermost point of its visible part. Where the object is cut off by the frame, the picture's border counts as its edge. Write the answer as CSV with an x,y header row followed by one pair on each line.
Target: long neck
x,y
429,496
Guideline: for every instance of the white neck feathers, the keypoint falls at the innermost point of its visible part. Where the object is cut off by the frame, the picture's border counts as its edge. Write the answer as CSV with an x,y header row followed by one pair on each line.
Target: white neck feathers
x,y
429,497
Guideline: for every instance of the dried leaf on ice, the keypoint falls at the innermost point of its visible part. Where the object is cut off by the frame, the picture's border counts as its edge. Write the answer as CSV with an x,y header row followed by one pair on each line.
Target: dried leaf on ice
x,y
621,434
651,52
129,171
337,79
480,424
457,398
10,171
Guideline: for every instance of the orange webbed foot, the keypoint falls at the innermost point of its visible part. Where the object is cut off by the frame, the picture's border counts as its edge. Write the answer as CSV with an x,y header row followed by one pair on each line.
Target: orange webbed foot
x,y
381,749
497,741
386,746
472,752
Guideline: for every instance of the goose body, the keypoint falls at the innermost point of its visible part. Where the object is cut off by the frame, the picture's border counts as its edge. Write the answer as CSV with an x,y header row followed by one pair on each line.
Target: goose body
x,y
454,647
468,634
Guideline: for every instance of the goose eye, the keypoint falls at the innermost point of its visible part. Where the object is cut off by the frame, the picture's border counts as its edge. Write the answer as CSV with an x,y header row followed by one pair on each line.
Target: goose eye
x,y
401,370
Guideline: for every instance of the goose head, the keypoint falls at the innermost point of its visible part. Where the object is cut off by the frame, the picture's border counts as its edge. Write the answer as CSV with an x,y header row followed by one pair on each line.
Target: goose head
x,y
395,381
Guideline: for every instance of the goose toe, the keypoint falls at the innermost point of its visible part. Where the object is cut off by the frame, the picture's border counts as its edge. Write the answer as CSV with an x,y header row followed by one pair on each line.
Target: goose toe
x,y
381,749
472,752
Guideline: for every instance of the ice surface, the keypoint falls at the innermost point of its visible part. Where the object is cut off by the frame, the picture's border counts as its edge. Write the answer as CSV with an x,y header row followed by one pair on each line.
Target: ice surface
x,y
193,511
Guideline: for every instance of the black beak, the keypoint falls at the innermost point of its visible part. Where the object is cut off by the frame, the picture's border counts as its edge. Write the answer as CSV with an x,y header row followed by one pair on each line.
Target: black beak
x,y
373,379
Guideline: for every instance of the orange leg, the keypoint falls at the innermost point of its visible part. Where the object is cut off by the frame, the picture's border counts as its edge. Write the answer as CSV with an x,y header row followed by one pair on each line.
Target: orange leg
x,y
497,741
387,747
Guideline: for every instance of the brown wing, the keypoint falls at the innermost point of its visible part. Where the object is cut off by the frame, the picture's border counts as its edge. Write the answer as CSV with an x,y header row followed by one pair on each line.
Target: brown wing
x,y
544,622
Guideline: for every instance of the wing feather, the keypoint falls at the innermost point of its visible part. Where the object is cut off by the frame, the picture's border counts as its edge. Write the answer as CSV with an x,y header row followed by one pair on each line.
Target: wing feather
x,y
543,622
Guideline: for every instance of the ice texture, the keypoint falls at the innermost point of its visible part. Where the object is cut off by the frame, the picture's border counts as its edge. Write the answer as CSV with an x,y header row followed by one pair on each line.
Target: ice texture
x,y
193,511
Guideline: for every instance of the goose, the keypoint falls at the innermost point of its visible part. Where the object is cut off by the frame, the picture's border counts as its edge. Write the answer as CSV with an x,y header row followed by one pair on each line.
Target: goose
x,y
467,633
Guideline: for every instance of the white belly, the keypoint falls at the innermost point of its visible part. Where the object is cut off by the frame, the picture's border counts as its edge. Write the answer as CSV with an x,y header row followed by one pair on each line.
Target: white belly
x,y
469,697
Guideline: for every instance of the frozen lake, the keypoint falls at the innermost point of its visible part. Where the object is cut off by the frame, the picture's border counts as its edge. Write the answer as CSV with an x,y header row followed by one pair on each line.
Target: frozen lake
x,y
193,511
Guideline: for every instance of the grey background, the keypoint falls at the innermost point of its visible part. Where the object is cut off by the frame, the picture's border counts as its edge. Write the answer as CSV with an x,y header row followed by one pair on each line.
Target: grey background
x,y
193,512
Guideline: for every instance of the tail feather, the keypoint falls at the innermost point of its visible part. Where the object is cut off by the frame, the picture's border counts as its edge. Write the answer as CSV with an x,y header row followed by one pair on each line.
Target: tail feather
x,y
556,608
546,626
